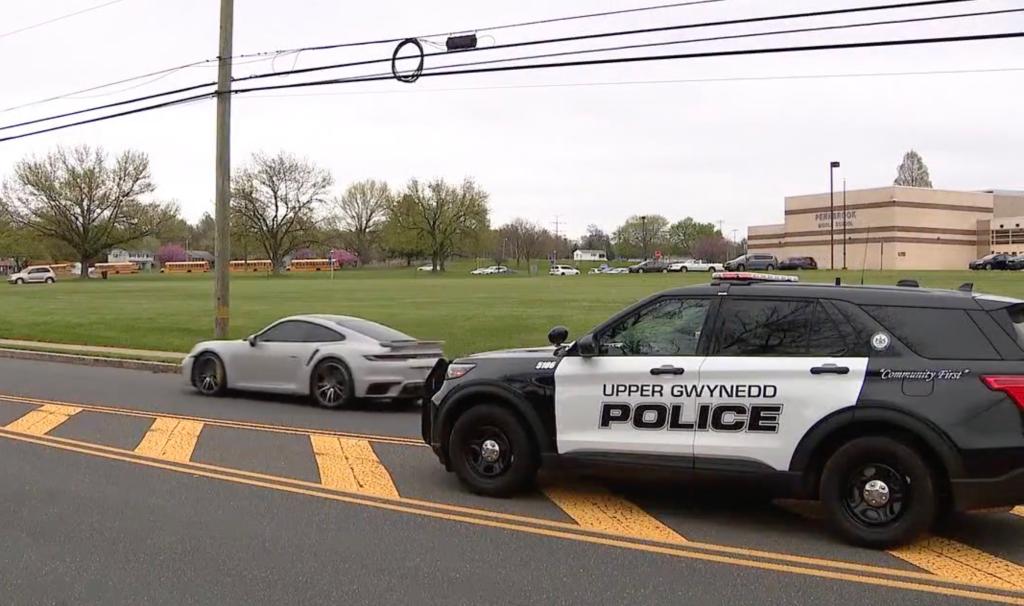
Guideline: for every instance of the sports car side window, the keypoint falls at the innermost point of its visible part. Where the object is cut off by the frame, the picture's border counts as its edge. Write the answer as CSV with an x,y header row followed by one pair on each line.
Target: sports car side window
x,y
670,327
320,334
285,332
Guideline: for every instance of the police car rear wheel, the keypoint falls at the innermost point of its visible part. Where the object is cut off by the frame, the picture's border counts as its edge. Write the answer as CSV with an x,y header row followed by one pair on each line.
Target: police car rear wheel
x,y
491,452
878,492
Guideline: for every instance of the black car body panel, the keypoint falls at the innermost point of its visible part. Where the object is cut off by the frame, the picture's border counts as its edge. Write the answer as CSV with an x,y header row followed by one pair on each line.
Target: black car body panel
x,y
798,263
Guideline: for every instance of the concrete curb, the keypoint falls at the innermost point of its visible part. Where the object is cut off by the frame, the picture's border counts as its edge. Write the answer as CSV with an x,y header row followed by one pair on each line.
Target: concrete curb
x,y
24,354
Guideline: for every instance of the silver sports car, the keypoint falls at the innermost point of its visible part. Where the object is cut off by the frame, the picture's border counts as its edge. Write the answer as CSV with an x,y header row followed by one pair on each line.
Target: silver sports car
x,y
333,359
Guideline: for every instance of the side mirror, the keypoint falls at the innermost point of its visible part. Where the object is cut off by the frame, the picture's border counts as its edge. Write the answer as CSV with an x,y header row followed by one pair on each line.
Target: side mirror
x,y
558,335
252,340
587,346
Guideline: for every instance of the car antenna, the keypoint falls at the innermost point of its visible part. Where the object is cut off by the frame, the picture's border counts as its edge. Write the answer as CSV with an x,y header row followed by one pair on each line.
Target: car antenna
x,y
864,261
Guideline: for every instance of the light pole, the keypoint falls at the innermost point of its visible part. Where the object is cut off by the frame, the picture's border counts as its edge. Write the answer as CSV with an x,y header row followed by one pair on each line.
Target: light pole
x,y
643,236
846,220
832,166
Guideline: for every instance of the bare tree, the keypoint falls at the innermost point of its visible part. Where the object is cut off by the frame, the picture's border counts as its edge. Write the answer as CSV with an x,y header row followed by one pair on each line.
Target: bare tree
x,y
446,218
275,200
362,211
912,171
76,197
524,240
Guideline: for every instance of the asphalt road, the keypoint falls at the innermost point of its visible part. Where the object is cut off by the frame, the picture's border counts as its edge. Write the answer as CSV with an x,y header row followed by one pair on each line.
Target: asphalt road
x,y
124,487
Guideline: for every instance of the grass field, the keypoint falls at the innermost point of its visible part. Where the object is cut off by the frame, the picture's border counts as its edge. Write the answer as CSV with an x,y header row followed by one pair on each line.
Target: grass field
x,y
469,313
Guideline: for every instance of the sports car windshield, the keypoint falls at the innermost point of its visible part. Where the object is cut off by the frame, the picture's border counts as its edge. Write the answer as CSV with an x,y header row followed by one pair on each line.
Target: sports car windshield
x,y
375,331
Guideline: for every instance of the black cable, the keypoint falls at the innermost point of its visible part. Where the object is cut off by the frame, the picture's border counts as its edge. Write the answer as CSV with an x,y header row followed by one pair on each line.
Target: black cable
x,y
60,18
507,68
649,30
414,75
510,45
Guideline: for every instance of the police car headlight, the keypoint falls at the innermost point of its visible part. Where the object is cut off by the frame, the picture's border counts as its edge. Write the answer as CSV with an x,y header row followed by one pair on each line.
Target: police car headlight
x,y
457,371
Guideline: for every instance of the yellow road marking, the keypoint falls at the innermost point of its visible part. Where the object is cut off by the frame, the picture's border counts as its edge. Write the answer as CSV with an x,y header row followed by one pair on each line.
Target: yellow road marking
x,y
170,439
595,508
1018,511
44,419
954,560
414,506
351,465
680,551
220,422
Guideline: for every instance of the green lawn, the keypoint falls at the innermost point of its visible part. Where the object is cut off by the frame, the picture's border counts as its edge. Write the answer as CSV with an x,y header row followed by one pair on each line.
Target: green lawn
x,y
470,313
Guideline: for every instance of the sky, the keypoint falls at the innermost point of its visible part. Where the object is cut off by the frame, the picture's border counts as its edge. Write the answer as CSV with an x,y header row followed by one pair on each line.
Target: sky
x,y
719,139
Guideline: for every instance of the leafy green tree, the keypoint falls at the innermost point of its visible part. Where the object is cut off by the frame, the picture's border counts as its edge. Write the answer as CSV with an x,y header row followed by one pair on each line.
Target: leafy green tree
x,y
80,198
445,218
361,212
641,235
399,242
684,235
912,171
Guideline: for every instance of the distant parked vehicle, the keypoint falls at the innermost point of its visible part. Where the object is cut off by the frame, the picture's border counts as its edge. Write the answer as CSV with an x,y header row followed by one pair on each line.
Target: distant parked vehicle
x,y
694,265
752,261
1015,263
487,271
563,270
38,274
992,261
427,267
798,263
649,266
618,270
603,269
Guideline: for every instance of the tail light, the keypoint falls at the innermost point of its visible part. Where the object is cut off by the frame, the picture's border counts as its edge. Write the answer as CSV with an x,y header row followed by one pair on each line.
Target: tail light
x,y
1011,385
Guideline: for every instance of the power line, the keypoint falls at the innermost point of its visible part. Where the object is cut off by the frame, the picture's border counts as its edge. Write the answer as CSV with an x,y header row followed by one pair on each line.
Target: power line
x,y
517,44
56,19
840,76
270,55
634,59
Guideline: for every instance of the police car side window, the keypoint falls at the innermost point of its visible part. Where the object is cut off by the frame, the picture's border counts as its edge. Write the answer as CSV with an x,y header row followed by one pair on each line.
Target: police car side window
x,y
939,334
752,327
670,327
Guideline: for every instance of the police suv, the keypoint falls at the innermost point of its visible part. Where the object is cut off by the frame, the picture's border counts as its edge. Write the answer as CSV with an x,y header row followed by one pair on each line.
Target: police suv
x,y
892,405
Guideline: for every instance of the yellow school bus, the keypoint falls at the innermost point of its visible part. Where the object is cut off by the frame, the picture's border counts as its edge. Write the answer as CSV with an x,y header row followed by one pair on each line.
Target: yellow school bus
x,y
253,265
310,265
126,267
185,267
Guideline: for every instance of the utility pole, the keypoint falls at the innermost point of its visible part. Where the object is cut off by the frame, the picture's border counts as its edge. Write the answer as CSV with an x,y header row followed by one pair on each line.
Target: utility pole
x,y
222,246
556,223
832,166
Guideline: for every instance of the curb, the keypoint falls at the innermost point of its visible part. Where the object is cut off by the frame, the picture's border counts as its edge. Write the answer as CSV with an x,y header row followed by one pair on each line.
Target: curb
x,y
24,354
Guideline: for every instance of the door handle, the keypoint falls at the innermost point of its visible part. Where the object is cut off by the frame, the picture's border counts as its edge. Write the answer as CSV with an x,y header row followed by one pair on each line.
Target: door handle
x,y
829,369
667,369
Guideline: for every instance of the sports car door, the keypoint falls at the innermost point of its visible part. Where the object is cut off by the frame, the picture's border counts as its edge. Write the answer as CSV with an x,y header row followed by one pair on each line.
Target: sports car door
x,y
775,368
636,394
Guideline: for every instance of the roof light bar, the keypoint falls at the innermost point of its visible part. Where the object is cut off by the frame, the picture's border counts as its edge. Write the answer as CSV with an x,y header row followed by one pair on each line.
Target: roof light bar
x,y
749,276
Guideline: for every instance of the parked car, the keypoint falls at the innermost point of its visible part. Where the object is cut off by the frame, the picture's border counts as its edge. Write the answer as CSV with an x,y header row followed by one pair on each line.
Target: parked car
x,y
649,266
487,271
752,261
798,263
603,269
694,265
618,270
563,270
992,261
1015,263
427,267
335,360
33,274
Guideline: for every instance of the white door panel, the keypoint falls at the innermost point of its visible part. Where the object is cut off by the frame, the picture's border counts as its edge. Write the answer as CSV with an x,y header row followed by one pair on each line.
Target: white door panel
x,y
596,399
273,366
754,388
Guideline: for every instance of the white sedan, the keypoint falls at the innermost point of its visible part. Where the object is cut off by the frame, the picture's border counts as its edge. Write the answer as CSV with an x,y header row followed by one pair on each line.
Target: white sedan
x,y
563,270
693,265
335,360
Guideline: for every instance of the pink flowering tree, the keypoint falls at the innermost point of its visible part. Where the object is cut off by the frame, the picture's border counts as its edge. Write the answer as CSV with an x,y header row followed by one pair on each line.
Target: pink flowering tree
x,y
342,258
303,253
169,253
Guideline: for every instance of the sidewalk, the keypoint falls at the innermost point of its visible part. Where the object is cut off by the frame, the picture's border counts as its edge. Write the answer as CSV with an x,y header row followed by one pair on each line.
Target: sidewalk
x,y
94,350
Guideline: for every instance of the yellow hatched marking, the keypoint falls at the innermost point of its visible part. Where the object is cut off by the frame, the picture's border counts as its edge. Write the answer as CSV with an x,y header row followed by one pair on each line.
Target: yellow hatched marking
x,y
952,560
596,509
43,420
351,465
1018,511
171,439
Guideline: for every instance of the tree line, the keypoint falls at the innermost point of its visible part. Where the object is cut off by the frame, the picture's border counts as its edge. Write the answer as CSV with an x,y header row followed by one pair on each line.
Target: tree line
x,y
78,203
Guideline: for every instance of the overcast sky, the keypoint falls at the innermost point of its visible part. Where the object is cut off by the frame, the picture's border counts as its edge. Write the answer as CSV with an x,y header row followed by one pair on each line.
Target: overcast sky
x,y
718,151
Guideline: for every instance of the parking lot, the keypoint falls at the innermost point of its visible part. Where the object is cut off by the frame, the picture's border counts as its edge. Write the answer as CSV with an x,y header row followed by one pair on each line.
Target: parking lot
x,y
212,483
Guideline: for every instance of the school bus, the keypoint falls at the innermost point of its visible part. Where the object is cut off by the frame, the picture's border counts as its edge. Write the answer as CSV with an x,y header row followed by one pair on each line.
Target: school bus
x,y
126,267
253,265
61,268
185,267
310,265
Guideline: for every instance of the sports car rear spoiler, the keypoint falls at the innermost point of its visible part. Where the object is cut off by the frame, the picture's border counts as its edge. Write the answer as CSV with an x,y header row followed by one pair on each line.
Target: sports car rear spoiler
x,y
400,345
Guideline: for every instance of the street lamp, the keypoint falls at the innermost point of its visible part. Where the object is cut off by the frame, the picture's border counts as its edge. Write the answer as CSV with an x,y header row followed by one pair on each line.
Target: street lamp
x,y
832,213
846,219
643,236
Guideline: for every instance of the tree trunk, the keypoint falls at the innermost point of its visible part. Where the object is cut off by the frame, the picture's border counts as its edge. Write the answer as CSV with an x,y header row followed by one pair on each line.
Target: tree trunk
x,y
83,270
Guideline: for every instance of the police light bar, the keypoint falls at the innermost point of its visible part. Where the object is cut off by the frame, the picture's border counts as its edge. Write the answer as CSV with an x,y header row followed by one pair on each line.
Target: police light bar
x,y
749,276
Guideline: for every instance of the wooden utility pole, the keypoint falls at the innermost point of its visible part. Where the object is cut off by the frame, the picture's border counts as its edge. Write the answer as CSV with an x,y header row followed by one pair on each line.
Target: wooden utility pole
x,y
222,215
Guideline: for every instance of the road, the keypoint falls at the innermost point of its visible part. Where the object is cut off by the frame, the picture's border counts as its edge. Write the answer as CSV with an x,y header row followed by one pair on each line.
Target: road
x,y
125,487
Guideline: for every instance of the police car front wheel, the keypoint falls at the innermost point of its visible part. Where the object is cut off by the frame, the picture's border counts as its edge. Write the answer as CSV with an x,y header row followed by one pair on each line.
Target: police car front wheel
x,y
491,451
879,492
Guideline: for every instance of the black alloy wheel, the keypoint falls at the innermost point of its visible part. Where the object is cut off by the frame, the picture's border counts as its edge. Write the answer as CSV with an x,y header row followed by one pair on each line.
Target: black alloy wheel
x,y
331,384
208,375
491,451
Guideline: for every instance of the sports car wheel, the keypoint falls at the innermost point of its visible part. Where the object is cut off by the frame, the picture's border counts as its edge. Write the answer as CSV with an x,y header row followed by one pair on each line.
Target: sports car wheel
x,y
878,492
331,384
491,451
208,375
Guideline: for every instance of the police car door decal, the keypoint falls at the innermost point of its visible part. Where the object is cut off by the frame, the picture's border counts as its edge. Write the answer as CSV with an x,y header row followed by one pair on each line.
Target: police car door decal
x,y
764,387
634,396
